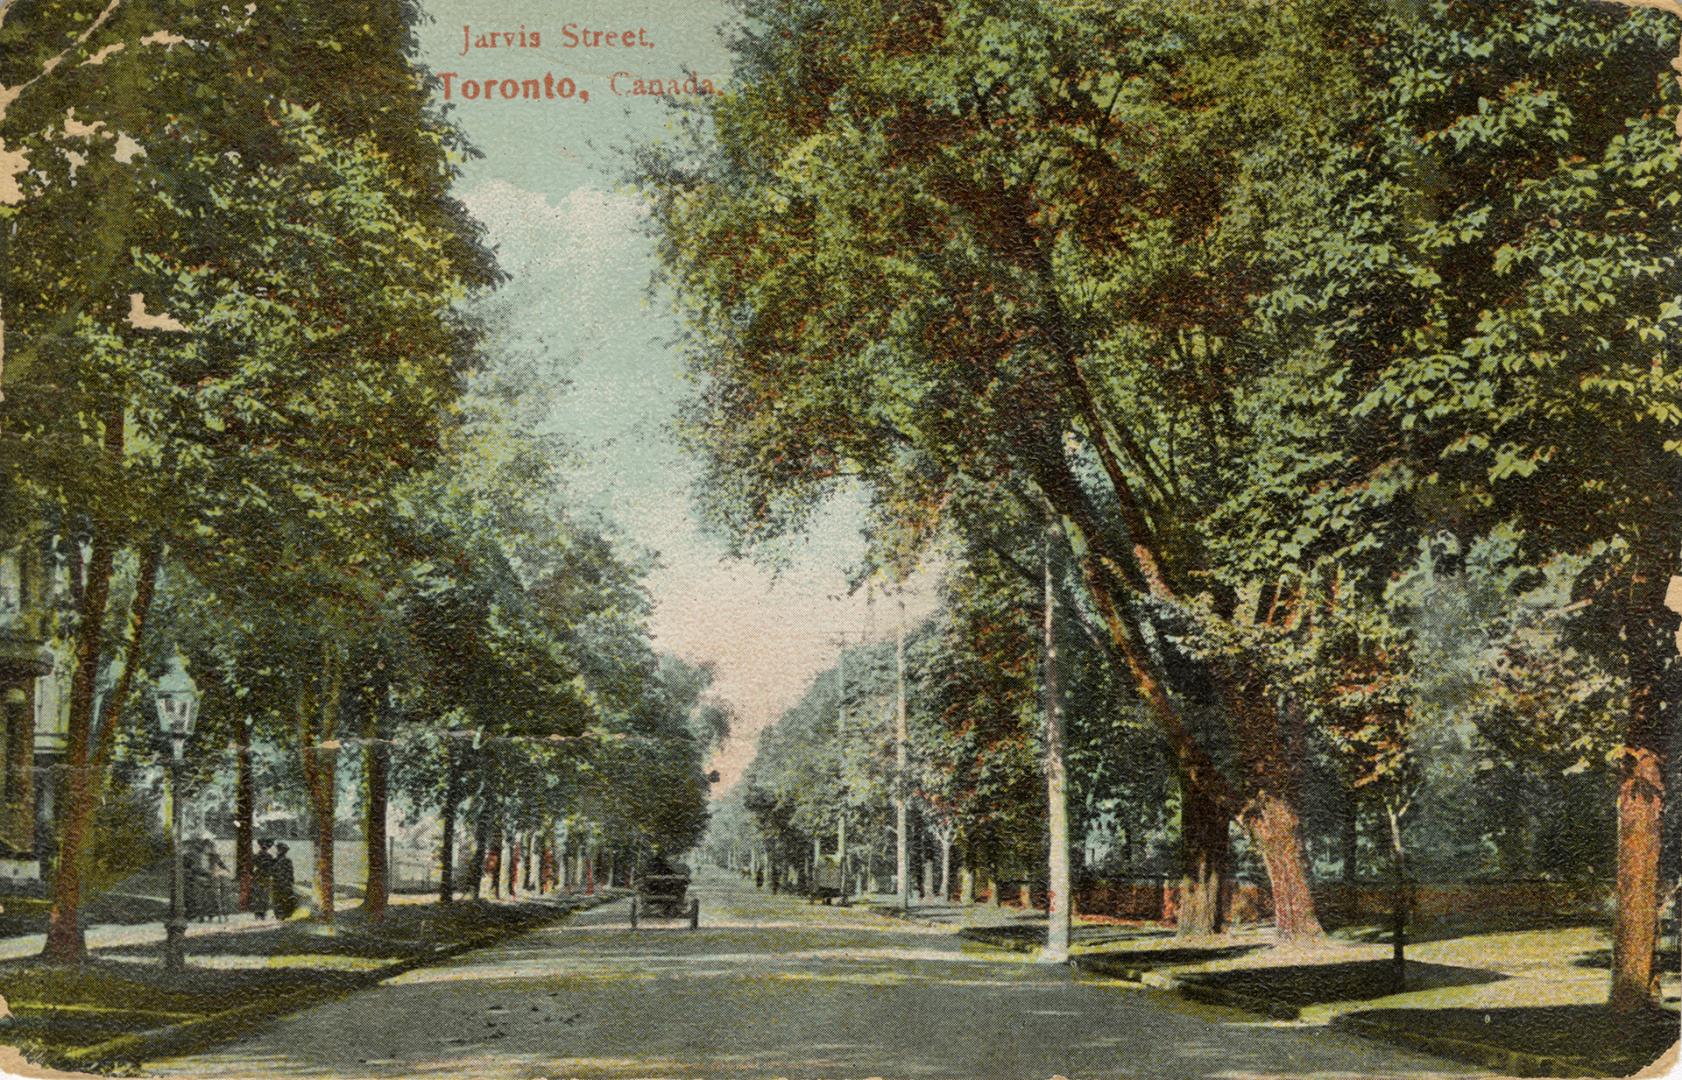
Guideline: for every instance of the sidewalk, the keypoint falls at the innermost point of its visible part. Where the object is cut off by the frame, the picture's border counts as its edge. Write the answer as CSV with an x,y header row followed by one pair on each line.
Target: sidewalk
x,y
1017,929
106,936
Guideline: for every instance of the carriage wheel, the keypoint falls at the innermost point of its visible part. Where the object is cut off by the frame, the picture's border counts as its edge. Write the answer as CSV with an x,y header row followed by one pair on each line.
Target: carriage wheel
x,y
633,913
695,914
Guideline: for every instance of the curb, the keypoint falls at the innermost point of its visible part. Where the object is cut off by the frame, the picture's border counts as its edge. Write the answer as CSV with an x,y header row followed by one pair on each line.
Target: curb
x,y
193,1035
1103,966
1008,944
1500,1059
1497,1058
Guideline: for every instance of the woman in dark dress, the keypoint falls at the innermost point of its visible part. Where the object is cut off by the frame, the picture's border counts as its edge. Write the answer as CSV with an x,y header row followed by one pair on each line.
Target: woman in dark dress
x,y
262,880
280,880
217,881
195,885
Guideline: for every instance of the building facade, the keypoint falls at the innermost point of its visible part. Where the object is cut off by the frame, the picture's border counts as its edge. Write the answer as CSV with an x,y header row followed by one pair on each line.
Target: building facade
x,y
31,713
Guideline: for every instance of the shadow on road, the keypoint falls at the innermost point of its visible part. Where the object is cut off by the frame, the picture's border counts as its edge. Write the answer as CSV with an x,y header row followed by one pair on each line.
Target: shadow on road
x,y
769,986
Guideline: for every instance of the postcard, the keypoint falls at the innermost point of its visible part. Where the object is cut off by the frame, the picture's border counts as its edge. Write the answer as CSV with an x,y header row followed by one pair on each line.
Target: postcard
x,y
840,538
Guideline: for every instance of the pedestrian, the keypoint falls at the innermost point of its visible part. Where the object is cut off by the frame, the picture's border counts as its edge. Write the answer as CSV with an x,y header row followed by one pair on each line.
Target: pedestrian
x,y
196,882
281,877
262,873
219,879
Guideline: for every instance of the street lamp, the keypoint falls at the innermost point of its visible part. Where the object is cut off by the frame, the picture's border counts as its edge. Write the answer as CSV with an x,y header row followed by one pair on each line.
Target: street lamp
x,y
177,699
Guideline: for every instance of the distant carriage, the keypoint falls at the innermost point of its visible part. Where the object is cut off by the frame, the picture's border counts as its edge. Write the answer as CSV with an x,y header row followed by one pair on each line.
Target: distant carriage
x,y
665,895
826,879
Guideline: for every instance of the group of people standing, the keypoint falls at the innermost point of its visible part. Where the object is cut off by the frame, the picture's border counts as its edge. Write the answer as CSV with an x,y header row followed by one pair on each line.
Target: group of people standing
x,y
206,881
272,877
209,885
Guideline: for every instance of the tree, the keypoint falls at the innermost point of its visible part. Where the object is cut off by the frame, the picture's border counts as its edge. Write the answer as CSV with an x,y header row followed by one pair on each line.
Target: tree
x,y
1520,238
944,201
193,432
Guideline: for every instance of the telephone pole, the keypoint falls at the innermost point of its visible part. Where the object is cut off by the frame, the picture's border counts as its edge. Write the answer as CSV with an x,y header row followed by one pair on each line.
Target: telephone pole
x,y
840,640
901,737
841,740
1058,901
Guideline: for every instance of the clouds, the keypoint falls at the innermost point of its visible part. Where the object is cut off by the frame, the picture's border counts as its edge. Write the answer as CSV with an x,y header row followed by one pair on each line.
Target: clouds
x,y
539,235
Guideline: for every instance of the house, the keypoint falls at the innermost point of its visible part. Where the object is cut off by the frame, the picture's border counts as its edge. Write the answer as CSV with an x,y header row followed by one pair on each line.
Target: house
x,y
31,714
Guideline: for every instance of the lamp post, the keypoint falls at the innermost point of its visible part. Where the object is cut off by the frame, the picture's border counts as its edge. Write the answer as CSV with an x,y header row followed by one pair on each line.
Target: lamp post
x,y
177,700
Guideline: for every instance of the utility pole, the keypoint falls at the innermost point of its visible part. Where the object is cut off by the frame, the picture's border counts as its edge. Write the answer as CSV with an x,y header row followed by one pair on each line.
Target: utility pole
x,y
1058,900
901,737
841,739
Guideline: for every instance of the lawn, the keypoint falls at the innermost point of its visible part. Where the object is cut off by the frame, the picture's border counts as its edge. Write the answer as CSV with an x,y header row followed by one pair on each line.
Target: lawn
x,y
1287,989
1591,1036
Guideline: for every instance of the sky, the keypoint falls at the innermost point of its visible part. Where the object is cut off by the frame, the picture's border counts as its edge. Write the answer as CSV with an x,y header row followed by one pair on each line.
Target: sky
x,y
570,234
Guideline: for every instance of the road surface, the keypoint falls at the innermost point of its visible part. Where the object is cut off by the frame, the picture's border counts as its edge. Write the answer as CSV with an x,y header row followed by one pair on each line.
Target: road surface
x,y
771,986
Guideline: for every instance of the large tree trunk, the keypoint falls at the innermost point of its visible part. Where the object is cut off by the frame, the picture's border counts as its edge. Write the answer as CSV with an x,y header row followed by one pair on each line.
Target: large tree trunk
x,y
493,861
945,868
1260,730
481,833
1204,853
319,753
513,863
64,931
324,862
245,807
1635,926
375,759
1655,690
87,758
1349,846
1274,825
447,842
1351,839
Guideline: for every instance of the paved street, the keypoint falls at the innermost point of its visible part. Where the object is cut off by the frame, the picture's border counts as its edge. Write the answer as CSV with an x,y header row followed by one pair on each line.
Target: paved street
x,y
773,987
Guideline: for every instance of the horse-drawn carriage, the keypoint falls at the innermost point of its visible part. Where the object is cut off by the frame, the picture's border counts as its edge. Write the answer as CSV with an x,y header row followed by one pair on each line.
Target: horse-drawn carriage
x,y
665,896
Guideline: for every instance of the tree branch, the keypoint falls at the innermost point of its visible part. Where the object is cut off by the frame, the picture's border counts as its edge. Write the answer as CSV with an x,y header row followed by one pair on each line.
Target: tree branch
x,y
151,558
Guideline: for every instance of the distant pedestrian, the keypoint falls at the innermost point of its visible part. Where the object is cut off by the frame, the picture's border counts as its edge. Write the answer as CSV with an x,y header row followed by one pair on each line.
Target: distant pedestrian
x,y
281,879
262,879
196,883
219,879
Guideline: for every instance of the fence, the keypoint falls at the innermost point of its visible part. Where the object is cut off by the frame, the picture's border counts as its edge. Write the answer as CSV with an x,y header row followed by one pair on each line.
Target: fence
x,y
408,869
1157,899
